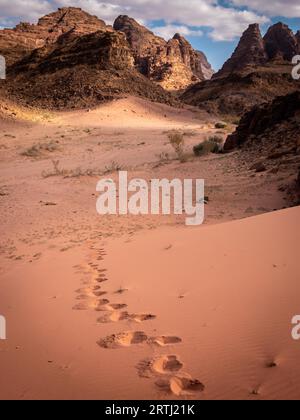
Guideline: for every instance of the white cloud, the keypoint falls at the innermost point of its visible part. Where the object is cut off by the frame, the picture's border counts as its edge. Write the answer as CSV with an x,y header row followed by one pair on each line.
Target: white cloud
x,y
223,23
23,10
167,32
284,8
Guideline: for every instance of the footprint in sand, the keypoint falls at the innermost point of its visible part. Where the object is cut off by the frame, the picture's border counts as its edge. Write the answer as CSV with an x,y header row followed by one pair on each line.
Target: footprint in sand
x,y
91,304
165,365
164,340
110,307
101,278
86,290
90,295
128,338
185,386
125,316
125,339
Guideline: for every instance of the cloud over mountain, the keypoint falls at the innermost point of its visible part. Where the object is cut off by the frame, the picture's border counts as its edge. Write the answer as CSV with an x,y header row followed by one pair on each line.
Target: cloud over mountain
x,y
222,23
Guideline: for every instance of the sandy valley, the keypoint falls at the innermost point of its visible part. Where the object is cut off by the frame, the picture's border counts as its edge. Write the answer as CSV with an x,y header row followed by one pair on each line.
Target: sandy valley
x,y
142,307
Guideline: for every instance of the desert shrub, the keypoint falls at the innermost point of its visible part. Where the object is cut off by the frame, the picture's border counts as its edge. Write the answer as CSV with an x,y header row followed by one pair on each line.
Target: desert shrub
x,y
210,145
220,125
57,171
176,139
216,139
39,149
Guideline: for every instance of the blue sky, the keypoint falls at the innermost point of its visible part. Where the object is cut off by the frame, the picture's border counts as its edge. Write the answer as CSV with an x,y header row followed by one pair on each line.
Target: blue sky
x,y
213,26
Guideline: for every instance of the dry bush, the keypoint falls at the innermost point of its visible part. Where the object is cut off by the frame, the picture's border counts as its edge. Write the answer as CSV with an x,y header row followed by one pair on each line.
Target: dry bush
x,y
40,149
176,139
112,167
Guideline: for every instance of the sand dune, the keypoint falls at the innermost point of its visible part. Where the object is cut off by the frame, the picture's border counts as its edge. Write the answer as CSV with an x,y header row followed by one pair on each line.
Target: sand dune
x,y
223,298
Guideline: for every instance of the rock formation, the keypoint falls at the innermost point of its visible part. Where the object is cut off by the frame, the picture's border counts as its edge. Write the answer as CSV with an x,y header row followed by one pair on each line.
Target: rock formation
x,y
264,118
258,71
16,43
250,52
173,64
281,43
80,72
269,138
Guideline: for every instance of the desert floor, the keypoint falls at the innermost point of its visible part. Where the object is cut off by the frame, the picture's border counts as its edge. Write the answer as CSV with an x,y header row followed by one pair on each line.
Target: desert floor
x,y
142,307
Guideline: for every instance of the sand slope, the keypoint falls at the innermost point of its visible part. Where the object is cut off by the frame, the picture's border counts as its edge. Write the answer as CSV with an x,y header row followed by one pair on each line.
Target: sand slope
x,y
207,307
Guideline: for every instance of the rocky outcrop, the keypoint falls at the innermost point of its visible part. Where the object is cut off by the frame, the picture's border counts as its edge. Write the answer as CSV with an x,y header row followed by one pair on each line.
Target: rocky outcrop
x,y
173,64
80,72
281,43
268,138
18,42
250,52
263,119
237,93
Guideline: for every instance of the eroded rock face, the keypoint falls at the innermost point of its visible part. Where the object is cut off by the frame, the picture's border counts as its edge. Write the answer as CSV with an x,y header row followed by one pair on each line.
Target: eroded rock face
x,y
16,43
173,64
268,137
263,119
80,72
249,52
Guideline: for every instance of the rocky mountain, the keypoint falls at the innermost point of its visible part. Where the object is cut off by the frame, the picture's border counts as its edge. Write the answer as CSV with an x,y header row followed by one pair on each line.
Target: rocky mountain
x,y
173,64
281,43
258,71
250,52
17,42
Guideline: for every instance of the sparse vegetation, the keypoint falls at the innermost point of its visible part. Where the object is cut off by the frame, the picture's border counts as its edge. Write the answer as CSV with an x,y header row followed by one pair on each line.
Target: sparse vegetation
x,y
68,173
39,149
211,145
176,139
163,157
112,167
78,172
57,171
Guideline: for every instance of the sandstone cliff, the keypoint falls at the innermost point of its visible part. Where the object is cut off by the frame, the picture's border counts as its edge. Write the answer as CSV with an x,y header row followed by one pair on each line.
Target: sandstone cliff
x,y
173,64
